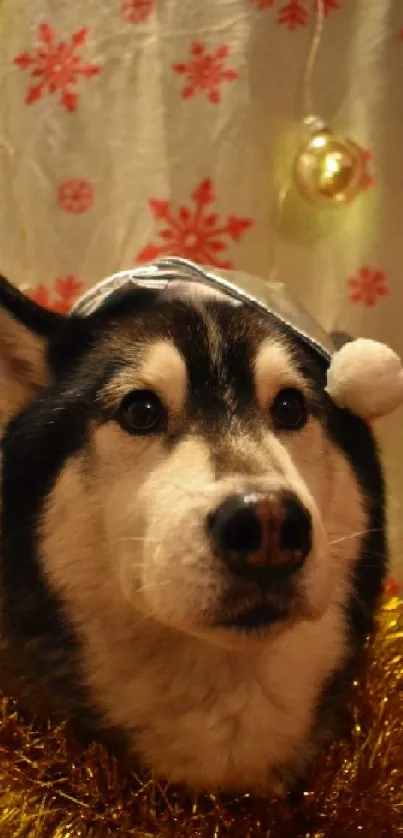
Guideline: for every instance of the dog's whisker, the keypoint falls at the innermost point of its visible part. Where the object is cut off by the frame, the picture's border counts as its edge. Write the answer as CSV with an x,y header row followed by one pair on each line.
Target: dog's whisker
x,y
357,534
197,492
151,614
150,585
130,589
136,538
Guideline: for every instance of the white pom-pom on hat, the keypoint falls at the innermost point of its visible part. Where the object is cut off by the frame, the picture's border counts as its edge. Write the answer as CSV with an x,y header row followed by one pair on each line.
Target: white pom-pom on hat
x,y
366,377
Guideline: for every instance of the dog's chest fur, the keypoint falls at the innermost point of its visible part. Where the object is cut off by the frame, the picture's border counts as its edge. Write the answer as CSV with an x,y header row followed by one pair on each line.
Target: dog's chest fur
x,y
215,717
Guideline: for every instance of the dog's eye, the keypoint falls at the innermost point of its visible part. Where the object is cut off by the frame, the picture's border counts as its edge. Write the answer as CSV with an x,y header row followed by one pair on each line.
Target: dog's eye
x,y
289,410
141,412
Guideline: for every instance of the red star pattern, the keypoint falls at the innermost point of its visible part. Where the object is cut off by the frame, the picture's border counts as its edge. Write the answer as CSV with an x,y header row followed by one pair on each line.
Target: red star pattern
x,y
136,11
56,66
367,286
67,290
295,13
75,195
205,72
194,233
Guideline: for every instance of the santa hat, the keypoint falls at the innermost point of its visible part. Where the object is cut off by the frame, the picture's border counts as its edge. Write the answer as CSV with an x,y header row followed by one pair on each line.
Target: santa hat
x,y
363,376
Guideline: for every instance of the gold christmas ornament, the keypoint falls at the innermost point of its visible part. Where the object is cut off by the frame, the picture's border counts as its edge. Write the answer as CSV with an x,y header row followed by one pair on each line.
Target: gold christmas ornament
x,y
329,169
50,788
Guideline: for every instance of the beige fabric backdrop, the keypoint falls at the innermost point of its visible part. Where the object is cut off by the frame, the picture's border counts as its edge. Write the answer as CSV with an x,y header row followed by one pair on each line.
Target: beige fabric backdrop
x,y
130,128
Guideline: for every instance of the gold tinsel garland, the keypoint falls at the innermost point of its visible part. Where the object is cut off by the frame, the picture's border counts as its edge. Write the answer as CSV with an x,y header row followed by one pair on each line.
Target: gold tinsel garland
x,y
49,789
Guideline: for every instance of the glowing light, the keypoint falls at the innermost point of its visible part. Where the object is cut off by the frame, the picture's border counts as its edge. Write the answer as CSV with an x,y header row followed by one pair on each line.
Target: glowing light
x,y
329,169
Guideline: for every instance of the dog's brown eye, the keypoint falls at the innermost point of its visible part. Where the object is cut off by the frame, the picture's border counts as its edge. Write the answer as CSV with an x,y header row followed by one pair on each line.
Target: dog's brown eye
x,y
141,412
288,410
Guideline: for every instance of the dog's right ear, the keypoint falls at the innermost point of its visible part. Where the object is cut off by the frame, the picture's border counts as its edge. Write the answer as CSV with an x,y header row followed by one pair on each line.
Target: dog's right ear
x,y
25,329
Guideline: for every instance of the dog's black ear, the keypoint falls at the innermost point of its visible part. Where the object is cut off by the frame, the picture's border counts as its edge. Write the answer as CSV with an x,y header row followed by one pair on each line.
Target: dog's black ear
x,y
25,329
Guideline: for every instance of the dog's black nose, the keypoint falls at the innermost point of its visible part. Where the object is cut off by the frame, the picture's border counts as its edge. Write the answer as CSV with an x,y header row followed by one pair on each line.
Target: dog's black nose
x,y
261,535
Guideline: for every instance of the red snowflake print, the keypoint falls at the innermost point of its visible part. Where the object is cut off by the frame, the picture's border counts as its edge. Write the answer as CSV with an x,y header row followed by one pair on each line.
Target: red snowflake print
x,y
292,15
194,233
67,288
76,195
367,286
330,5
295,13
205,73
136,11
55,66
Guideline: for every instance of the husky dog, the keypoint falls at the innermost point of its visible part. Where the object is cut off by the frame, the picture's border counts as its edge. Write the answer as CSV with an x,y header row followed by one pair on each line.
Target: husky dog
x,y
192,532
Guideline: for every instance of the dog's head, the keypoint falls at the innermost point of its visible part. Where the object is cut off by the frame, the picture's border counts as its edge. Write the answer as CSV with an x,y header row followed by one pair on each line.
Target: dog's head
x,y
175,456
